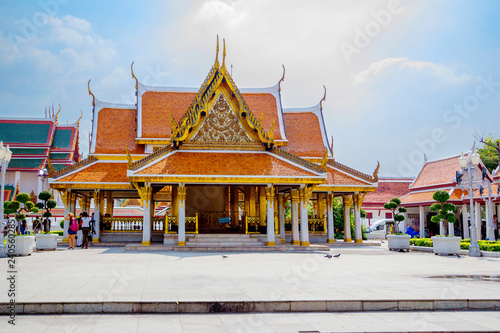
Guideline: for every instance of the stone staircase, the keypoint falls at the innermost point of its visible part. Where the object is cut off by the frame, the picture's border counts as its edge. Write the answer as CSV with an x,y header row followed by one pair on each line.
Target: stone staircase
x,y
223,240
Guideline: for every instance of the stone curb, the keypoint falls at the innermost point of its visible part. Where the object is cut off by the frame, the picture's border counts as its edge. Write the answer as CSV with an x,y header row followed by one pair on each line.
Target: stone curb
x,y
251,307
462,252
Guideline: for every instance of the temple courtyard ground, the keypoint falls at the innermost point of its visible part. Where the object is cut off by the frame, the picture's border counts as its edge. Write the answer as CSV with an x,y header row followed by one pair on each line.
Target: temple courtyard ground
x,y
367,288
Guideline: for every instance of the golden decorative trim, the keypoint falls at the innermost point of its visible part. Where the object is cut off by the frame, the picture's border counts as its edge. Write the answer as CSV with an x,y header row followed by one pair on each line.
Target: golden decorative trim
x,y
331,241
305,244
72,167
323,162
152,141
270,243
375,173
325,188
146,243
270,194
347,201
347,240
296,159
157,154
223,179
283,241
295,242
358,241
49,165
179,243
133,75
351,171
90,93
130,162
101,186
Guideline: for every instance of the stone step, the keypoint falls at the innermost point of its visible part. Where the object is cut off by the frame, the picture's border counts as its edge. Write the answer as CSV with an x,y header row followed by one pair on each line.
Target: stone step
x,y
237,244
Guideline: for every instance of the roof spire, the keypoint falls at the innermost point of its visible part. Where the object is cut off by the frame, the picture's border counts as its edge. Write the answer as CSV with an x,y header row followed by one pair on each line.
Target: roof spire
x,y
375,173
282,78
52,110
57,111
224,53
90,93
217,54
133,75
45,112
323,99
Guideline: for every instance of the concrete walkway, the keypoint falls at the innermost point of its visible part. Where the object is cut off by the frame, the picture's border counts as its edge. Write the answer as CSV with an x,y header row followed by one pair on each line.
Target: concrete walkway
x,y
111,277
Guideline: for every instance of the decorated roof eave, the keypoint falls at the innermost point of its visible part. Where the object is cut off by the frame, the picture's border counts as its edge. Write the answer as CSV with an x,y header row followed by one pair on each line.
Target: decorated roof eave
x,y
91,185
373,179
226,179
345,188
83,164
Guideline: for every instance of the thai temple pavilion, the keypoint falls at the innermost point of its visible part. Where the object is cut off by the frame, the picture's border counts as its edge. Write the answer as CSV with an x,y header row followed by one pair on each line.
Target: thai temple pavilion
x,y
225,160
34,143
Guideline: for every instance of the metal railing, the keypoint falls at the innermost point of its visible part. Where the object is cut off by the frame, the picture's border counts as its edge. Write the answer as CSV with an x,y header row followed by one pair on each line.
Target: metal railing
x,y
253,221
172,224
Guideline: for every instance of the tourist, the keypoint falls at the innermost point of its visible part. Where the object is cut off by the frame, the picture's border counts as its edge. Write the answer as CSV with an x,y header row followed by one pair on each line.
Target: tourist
x,y
24,227
72,230
495,225
79,233
85,227
37,227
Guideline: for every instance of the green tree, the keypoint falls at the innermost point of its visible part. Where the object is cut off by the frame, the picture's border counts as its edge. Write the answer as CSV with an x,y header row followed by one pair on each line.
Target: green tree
x,y
445,210
46,205
397,211
20,206
490,153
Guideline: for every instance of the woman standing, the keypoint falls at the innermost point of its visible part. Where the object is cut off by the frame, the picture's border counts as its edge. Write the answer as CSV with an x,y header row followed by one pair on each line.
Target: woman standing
x,y
72,230
85,230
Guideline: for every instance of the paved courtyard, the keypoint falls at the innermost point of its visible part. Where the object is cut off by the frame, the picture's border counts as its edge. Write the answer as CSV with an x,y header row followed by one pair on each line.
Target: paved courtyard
x,y
111,274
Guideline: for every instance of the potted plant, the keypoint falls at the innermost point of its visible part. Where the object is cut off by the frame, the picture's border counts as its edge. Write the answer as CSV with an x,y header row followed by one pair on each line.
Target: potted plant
x,y
444,245
19,207
45,240
397,240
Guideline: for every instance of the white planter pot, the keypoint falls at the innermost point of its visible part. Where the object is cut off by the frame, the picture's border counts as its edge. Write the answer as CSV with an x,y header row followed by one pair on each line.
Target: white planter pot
x,y
446,245
46,241
24,245
398,242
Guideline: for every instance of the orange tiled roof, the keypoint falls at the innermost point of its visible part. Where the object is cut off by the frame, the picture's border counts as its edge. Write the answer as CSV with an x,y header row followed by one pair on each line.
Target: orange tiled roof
x,y
234,164
266,104
100,173
157,107
304,134
387,190
438,172
115,129
418,197
335,177
156,110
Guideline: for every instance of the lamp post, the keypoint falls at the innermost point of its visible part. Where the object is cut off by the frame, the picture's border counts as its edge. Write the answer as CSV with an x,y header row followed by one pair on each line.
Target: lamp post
x,y
470,164
5,155
42,174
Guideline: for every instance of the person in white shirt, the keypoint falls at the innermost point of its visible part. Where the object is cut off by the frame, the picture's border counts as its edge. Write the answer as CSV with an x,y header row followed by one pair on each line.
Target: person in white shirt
x,y
85,230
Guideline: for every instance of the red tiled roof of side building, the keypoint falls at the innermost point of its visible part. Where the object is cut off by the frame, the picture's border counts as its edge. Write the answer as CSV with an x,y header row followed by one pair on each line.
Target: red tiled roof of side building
x,y
438,172
221,164
386,190
157,107
304,134
335,177
156,110
99,173
116,128
265,104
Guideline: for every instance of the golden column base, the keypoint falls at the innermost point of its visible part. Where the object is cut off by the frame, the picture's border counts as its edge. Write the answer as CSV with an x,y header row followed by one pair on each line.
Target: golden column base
x,y
65,240
146,243
95,240
181,243
283,241
347,240
331,241
271,244
358,241
295,242
305,243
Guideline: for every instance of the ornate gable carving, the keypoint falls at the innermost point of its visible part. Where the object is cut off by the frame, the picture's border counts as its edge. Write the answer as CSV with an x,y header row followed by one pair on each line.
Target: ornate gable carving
x,y
221,126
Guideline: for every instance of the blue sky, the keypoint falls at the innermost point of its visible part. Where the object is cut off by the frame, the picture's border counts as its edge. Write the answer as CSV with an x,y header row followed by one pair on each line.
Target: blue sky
x,y
403,78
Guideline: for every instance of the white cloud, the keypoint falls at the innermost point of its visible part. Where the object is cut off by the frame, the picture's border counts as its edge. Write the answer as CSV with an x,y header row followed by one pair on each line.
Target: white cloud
x,y
445,73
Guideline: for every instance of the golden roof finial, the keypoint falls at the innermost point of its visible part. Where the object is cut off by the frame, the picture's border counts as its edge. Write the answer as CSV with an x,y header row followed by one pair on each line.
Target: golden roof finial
x,y
81,116
375,173
133,75
217,54
282,78
51,168
271,132
331,147
223,53
173,125
45,112
323,162
90,142
323,99
129,158
57,113
90,93
261,117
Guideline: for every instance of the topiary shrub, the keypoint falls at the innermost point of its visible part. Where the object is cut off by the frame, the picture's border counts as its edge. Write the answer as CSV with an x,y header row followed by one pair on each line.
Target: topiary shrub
x,y
444,209
397,212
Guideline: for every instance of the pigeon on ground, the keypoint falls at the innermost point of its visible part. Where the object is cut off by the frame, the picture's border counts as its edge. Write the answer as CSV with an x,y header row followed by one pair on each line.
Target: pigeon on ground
x,y
223,256
329,256
458,255
382,242
337,255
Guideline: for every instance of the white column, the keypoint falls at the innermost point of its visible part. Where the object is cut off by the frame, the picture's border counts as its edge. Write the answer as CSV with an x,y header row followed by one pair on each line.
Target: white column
x,y
465,219
146,224
347,218
304,220
421,216
281,216
490,233
329,215
441,228
451,229
181,196
294,197
357,219
270,215
479,219
97,217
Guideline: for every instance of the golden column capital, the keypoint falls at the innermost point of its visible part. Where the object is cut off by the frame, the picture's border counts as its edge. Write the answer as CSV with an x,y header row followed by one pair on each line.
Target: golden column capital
x,y
294,195
329,199
270,193
347,199
281,199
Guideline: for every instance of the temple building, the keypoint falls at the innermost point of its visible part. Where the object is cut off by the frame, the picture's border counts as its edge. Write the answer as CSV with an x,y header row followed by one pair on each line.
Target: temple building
x,y
224,160
35,143
441,174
